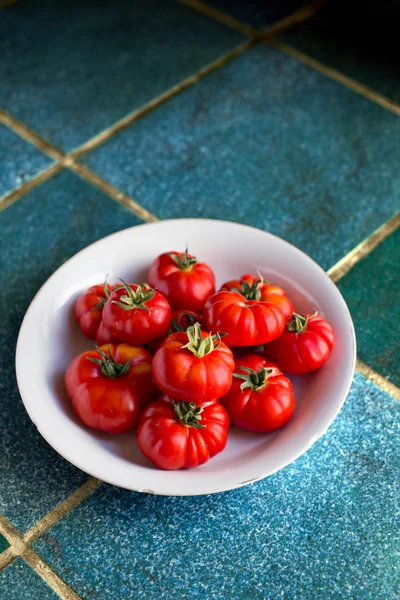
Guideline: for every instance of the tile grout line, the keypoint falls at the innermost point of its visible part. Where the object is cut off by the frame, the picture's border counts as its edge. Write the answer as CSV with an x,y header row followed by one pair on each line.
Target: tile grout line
x,y
379,380
268,37
62,509
345,80
358,253
126,121
30,136
19,548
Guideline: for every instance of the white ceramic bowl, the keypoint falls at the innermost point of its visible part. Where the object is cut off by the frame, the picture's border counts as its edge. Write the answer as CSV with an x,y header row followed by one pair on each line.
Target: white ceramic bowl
x,y
232,250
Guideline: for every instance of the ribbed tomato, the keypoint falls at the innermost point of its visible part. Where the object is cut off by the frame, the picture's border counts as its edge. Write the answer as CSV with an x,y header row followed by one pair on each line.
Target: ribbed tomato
x,y
89,313
304,345
180,435
246,322
137,314
109,386
259,289
185,282
261,397
193,366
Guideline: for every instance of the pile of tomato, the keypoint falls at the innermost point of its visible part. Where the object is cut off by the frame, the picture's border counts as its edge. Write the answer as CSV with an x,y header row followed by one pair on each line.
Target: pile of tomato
x,y
167,360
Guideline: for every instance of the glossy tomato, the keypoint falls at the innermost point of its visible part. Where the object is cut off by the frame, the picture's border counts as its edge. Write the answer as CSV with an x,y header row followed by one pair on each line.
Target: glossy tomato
x,y
178,435
185,282
137,314
246,322
261,397
193,366
304,345
108,386
259,289
89,313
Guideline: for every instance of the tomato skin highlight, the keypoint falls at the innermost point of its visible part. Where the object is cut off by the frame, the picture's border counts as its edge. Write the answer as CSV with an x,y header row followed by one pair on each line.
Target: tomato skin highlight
x,y
265,409
304,351
111,404
246,322
137,325
184,376
170,445
268,292
185,288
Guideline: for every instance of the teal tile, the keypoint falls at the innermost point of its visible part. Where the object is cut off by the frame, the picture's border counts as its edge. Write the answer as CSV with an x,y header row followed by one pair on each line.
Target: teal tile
x,y
258,13
268,142
40,232
372,292
19,161
20,582
325,527
359,39
71,69
3,543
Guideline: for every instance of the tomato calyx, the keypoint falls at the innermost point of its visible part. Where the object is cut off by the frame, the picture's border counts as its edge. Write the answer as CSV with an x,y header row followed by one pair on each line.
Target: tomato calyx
x,y
298,323
188,413
135,299
109,367
176,327
256,380
198,345
251,291
101,304
184,261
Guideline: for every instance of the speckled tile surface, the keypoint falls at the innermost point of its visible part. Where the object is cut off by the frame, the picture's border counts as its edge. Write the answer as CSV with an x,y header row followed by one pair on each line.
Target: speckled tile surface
x,y
268,142
20,582
345,36
70,70
3,543
372,292
19,160
321,528
258,13
39,233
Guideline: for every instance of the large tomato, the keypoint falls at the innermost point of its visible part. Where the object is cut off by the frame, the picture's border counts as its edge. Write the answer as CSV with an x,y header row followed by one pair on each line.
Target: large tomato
x,y
304,345
89,313
185,282
259,289
178,435
261,397
193,366
246,322
137,314
109,386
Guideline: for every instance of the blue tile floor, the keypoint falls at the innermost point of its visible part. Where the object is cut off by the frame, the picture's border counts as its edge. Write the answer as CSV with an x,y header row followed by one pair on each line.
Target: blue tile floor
x,y
262,140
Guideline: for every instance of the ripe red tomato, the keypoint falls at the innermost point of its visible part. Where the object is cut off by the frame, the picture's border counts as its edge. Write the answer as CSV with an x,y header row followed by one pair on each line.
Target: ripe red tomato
x,y
108,386
259,289
181,435
304,345
261,397
137,314
185,282
193,366
247,322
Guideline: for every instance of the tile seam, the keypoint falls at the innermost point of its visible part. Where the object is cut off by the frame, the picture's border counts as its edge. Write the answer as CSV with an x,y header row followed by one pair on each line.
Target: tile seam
x,y
268,36
19,548
379,380
364,249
